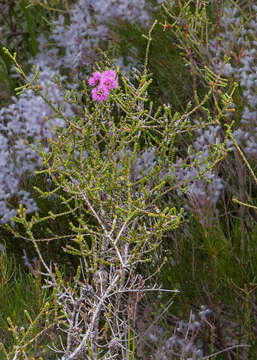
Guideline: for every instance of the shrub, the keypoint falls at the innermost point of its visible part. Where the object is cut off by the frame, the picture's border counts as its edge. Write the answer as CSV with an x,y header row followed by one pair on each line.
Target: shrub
x,y
109,167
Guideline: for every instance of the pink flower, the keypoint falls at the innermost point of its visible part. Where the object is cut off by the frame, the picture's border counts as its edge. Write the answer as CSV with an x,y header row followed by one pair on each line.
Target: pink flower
x,y
100,93
95,78
106,82
109,74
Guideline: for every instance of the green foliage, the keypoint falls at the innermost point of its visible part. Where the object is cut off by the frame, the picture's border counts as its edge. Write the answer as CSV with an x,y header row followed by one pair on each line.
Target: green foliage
x,y
207,266
177,57
24,307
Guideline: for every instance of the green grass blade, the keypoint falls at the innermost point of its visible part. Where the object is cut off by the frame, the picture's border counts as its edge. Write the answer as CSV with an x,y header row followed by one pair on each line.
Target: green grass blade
x,y
31,27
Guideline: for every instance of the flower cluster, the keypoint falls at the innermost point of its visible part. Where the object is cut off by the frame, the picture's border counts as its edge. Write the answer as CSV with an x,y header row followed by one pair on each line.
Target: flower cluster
x,y
105,82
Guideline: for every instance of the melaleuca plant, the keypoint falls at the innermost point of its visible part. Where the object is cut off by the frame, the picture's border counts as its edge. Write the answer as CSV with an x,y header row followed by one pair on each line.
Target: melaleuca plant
x,y
110,168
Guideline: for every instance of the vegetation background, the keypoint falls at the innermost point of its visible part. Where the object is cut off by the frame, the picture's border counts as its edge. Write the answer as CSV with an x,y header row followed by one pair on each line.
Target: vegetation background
x,y
189,67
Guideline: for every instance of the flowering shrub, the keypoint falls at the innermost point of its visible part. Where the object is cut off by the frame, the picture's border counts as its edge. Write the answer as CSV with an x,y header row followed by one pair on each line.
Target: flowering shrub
x,y
96,166
116,170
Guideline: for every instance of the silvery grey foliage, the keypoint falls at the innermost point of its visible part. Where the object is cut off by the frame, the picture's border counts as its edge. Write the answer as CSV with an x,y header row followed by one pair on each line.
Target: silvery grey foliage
x,y
239,44
27,120
184,342
212,189
87,27
202,192
141,165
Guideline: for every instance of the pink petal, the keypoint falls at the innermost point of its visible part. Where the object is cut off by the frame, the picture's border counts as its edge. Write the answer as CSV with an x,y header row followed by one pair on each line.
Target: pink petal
x,y
95,78
100,93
